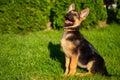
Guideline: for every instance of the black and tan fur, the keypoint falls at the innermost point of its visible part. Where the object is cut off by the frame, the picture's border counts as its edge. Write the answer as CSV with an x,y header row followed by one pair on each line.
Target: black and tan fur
x,y
78,51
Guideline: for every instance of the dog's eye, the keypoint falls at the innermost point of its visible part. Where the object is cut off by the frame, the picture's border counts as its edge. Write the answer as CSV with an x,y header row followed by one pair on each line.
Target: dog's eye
x,y
75,14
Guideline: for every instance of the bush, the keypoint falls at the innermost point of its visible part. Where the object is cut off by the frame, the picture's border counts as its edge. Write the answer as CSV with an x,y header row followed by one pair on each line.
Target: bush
x,y
33,15
118,11
113,10
97,11
23,15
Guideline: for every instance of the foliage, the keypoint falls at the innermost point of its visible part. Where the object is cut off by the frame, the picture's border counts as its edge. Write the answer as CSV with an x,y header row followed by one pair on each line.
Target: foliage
x,y
118,11
33,15
23,15
97,11
114,13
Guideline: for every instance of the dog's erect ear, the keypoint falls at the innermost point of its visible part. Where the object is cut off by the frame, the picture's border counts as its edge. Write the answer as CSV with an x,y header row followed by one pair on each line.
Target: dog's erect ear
x,y
71,7
84,13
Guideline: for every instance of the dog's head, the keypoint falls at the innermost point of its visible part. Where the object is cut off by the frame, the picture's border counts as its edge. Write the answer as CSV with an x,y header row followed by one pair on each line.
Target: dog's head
x,y
74,18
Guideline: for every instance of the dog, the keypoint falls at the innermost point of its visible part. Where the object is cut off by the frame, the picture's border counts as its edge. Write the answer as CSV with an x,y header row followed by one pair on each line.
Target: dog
x,y
78,51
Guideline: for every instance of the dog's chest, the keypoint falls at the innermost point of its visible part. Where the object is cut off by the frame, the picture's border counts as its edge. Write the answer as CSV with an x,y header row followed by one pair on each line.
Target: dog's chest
x,y
67,45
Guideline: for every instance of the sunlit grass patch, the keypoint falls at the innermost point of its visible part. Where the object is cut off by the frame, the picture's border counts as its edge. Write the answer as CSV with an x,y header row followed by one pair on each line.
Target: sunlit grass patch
x,y
37,56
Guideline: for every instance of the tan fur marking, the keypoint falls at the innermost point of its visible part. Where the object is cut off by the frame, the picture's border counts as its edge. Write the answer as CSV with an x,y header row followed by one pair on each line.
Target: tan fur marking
x,y
81,19
83,74
67,63
77,21
73,64
67,46
81,65
89,65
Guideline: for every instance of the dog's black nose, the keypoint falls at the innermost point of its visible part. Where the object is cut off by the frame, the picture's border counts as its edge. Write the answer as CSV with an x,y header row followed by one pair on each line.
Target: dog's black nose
x,y
69,16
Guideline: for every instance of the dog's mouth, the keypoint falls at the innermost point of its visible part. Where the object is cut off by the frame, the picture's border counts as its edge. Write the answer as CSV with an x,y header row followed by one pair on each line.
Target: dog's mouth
x,y
69,19
69,22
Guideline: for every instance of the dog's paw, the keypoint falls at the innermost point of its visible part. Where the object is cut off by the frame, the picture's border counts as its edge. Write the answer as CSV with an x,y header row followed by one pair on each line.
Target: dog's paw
x,y
64,75
78,74
71,74
83,74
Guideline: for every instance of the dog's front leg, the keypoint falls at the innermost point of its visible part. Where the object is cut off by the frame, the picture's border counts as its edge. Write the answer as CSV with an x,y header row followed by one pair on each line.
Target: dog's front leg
x,y
67,63
73,64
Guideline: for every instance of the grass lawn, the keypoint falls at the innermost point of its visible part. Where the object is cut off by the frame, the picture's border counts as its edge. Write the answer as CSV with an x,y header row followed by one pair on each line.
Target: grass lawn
x,y
37,55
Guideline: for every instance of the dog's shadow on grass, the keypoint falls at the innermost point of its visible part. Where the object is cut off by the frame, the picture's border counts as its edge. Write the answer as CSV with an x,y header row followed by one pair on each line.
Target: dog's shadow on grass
x,y
56,53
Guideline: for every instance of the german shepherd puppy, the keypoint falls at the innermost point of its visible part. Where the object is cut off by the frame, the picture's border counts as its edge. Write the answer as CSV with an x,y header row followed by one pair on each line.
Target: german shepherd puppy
x,y
78,51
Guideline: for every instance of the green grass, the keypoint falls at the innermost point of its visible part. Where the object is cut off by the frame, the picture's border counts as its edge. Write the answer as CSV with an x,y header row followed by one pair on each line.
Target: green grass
x,y
37,56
